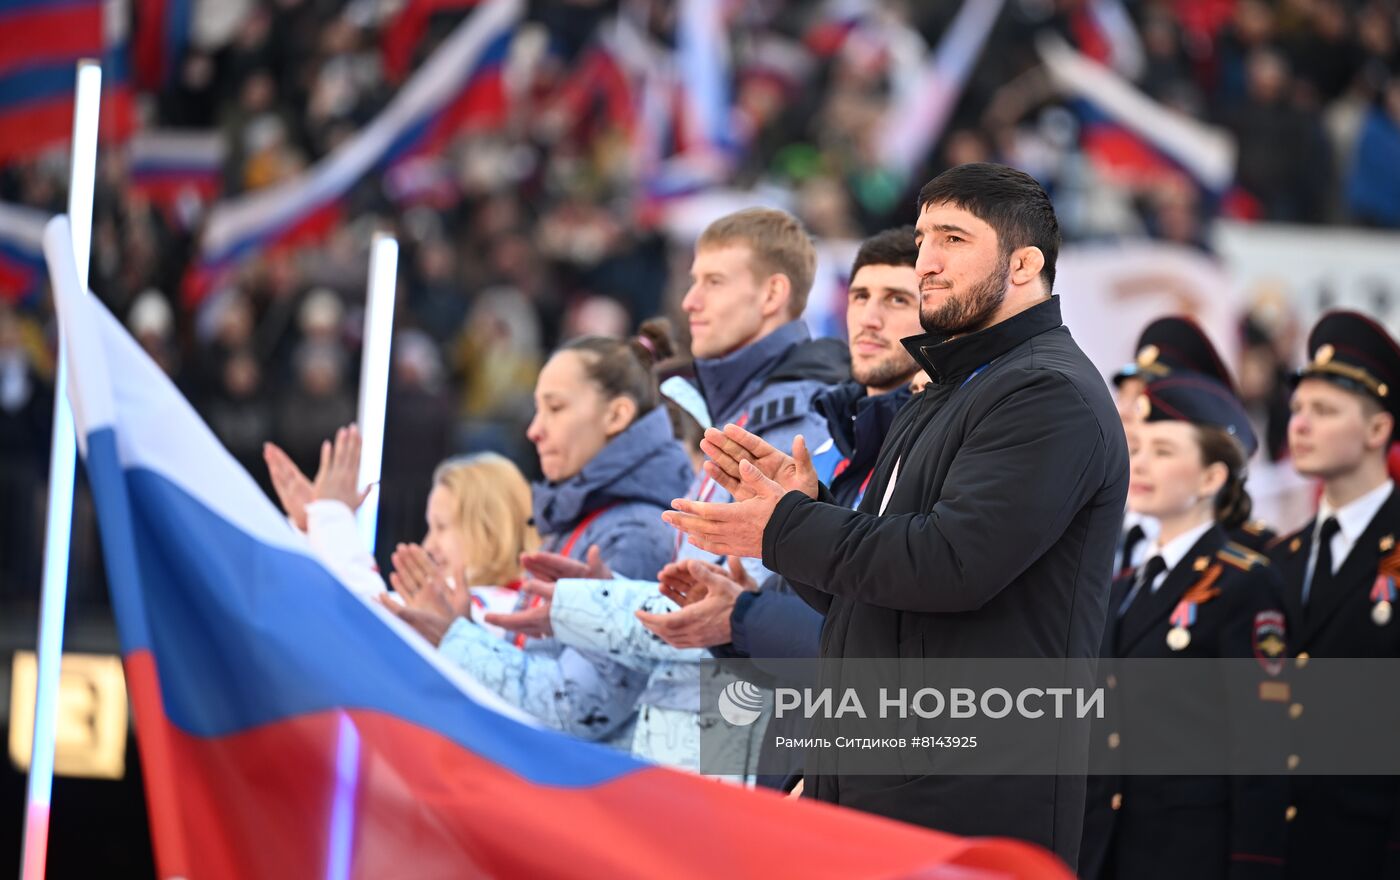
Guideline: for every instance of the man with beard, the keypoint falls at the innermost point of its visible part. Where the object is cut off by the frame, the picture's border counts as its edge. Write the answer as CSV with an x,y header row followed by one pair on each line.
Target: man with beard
x,y
989,526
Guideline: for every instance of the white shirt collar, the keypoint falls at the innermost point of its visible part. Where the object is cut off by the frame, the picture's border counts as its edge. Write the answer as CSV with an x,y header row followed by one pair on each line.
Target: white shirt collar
x,y
1355,516
1176,549
1148,524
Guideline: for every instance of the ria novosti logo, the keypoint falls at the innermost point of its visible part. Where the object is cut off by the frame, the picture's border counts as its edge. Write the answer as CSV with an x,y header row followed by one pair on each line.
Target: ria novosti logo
x,y
740,703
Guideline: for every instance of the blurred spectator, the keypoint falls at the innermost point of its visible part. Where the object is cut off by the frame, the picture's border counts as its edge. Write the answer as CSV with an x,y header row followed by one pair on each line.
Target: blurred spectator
x,y
152,322
1265,388
435,297
417,432
229,316
1373,190
496,359
315,406
596,316
240,415
26,416
1290,185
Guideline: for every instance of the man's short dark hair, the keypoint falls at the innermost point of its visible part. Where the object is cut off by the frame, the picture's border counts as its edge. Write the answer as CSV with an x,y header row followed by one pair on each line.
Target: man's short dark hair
x,y
1009,201
893,247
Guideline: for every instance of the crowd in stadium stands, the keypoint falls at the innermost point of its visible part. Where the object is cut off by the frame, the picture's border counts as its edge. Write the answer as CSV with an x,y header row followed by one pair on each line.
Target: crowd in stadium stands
x,y
521,237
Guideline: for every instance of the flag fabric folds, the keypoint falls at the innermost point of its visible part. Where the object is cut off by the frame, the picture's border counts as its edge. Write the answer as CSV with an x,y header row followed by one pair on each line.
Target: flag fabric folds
x,y
42,43
1125,127
916,117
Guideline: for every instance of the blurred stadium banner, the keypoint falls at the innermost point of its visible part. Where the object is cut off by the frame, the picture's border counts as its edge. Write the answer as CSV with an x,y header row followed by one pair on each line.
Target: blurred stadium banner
x,y
290,728
1313,269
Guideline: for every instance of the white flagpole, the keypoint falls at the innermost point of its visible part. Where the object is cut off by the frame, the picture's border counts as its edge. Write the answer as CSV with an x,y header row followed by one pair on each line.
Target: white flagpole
x,y
374,374
374,393
62,468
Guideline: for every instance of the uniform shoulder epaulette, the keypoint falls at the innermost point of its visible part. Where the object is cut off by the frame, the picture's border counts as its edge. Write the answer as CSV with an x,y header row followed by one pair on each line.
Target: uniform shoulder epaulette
x,y
1240,556
1256,527
1293,540
777,411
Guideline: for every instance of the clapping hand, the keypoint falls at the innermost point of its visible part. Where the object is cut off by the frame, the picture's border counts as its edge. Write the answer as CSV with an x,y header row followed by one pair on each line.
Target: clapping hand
x,y
728,448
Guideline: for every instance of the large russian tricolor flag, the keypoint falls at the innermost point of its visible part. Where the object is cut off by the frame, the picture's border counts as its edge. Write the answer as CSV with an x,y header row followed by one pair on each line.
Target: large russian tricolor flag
x,y
21,253
460,85
289,728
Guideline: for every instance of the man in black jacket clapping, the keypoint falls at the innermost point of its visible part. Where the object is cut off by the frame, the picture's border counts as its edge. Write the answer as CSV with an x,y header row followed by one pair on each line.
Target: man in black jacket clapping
x,y
989,526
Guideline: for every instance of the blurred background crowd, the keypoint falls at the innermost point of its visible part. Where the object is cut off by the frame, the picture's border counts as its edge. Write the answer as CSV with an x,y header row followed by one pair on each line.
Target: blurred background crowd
x,y
531,224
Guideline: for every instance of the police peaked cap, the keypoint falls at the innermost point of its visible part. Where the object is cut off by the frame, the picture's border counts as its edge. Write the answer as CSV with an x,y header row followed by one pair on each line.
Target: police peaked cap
x,y
1354,352
1172,345
1200,400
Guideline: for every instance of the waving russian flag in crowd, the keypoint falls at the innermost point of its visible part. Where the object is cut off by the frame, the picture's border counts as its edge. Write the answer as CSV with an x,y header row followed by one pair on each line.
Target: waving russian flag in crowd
x,y
21,253
289,728
407,28
459,85
685,142
118,104
915,119
162,32
41,43
1132,136
166,165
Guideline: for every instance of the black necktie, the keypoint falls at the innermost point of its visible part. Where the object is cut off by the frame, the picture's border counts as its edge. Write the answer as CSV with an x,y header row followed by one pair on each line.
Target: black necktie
x,y
1130,543
1136,609
1321,575
1142,583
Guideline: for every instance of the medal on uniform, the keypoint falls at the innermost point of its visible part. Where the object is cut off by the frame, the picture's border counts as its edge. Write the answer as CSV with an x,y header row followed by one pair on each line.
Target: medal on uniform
x,y
1382,597
1179,636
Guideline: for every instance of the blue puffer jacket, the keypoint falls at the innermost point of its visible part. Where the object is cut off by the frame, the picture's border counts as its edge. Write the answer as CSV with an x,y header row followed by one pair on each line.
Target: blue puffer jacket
x,y
769,386
625,487
616,503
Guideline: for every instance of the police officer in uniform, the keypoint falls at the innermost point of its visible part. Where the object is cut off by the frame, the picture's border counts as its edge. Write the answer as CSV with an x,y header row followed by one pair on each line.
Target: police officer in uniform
x,y
1339,574
1171,345
1197,595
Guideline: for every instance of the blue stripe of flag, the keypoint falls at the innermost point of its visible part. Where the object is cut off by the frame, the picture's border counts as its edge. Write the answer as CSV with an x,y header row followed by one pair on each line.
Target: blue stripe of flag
x,y
244,634
34,85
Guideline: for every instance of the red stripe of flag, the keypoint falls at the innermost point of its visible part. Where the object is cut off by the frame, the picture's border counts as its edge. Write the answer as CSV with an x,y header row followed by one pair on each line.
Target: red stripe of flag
x,y
41,37
404,33
255,803
35,127
17,281
148,44
481,105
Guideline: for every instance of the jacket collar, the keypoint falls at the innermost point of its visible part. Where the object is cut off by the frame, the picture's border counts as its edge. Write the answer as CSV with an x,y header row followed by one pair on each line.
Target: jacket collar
x,y
951,360
727,382
856,421
643,463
